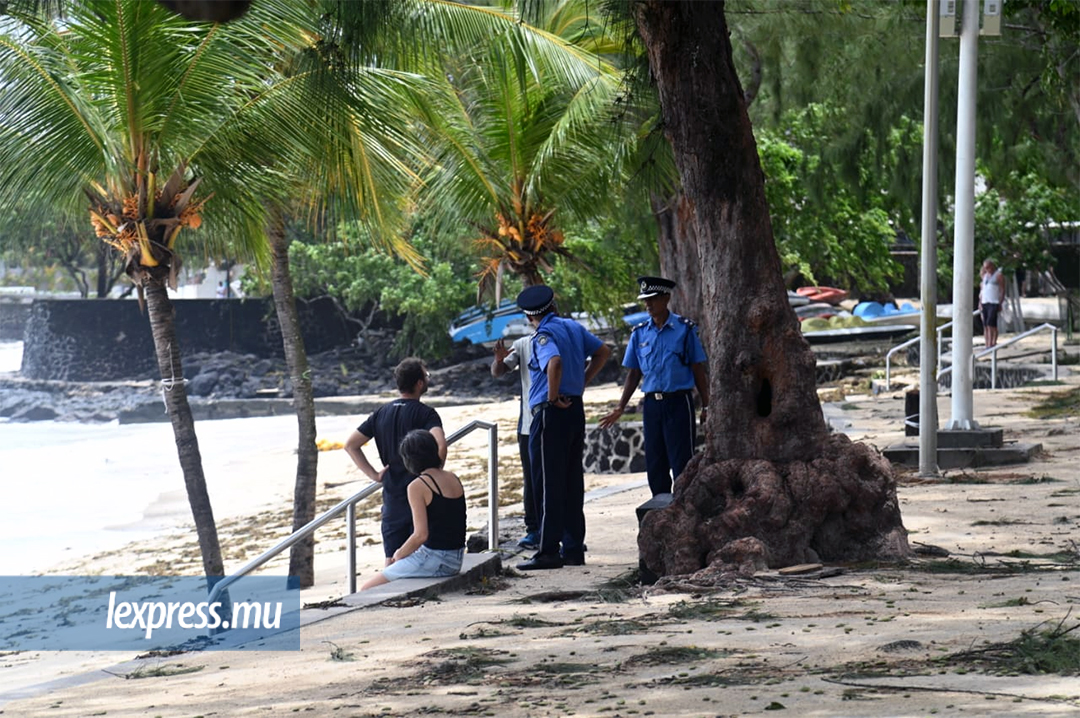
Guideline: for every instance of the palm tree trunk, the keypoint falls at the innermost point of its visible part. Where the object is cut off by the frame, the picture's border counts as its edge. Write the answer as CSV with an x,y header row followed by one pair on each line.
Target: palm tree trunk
x,y
167,348
101,255
302,554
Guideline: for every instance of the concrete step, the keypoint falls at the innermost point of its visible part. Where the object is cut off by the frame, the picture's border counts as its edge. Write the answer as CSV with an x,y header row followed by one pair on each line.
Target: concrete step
x,y
474,568
984,438
964,458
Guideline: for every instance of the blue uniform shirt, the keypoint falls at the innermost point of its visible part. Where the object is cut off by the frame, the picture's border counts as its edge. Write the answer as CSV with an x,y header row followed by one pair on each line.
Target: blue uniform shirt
x,y
665,354
569,341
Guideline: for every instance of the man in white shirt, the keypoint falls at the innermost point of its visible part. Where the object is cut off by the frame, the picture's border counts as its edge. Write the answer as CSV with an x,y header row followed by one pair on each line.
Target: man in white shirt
x,y
506,360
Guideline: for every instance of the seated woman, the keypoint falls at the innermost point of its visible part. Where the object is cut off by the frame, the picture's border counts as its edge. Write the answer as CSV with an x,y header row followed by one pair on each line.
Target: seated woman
x,y
437,500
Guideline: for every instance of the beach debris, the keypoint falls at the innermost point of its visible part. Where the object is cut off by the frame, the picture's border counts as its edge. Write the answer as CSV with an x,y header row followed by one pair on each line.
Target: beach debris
x,y
897,646
800,569
329,603
925,549
337,653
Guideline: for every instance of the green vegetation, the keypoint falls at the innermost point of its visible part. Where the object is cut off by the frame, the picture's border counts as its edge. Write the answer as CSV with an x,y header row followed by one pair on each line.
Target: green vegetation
x,y
619,589
162,671
528,622
462,665
1054,651
612,627
1057,405
666,655
708,610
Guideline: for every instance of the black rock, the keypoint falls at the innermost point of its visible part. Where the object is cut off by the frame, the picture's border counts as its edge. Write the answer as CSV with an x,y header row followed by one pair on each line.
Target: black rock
x,y
203,384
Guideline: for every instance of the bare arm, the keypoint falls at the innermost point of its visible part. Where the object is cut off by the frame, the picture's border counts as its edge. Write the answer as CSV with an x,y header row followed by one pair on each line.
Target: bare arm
x,y
440,439
419,498
633,378
353,447
554,378
597,362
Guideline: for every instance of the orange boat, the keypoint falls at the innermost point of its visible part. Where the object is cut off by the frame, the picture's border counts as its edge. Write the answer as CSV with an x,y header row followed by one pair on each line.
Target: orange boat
x,y
829,295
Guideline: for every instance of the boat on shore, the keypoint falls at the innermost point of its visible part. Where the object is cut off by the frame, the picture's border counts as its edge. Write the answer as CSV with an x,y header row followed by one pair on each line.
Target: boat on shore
x,y
863,333
829,295
483,325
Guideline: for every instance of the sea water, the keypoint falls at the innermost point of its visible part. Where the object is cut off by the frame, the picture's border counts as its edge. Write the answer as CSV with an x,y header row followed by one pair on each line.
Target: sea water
x,y
70,490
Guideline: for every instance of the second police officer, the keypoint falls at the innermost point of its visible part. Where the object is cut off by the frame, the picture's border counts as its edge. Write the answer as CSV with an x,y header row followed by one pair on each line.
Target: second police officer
x,y
560,348
665,355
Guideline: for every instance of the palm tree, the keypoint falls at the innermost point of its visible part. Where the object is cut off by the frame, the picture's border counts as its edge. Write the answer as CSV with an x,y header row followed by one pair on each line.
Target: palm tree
x,y
141,118
150,118
524,148
360,159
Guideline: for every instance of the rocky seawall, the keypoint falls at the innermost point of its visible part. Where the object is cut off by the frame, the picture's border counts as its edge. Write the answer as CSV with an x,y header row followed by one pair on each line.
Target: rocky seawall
x,y
227,384
231,385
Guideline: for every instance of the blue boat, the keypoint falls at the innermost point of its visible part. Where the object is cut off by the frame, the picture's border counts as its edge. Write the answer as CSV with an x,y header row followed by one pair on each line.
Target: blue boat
x,y
484,325
481,325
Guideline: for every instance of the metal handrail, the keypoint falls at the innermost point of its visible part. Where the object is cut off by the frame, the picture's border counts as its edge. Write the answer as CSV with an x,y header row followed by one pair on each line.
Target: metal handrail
x,y
992,352
349,507
909,342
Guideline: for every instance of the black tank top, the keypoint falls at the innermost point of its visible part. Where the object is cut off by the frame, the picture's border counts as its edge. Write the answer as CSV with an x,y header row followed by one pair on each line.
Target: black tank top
x,y
446,519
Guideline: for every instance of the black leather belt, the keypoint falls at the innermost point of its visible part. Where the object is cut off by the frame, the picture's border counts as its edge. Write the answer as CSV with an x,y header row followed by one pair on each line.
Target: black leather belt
x,y
661,395
545,404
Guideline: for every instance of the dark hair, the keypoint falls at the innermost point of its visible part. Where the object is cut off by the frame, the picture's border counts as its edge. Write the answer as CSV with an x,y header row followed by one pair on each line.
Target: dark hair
x,y
408,372
419,451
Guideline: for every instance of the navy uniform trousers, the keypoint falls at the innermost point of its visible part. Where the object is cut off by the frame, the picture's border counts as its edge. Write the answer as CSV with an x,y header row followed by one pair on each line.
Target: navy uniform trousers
x,y
556,449
669,438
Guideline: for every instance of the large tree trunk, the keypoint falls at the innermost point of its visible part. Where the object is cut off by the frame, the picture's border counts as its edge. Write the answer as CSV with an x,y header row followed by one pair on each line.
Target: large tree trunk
x,y
160,311
302,554
771,488
679,259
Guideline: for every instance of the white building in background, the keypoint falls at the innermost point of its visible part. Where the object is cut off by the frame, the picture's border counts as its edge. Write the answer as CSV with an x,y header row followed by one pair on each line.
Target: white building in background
x,y
209,283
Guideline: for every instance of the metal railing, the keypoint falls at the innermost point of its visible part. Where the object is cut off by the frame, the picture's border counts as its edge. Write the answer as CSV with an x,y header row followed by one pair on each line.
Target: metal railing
x,y
349,507
992,352
909,342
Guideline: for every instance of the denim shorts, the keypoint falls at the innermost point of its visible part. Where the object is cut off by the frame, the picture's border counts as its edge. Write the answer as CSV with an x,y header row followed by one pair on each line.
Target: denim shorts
x,y
426,563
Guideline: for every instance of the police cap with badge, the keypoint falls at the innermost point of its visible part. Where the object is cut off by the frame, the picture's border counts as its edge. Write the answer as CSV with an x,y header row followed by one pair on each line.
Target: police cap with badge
x,y
536,299
654,286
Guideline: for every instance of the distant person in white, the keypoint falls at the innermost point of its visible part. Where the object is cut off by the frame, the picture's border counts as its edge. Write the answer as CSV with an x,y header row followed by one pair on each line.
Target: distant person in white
x,y
991,295
506,360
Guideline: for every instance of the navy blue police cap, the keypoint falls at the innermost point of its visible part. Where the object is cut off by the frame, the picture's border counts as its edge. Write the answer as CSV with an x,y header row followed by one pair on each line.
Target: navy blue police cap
x,y
653,286
536,299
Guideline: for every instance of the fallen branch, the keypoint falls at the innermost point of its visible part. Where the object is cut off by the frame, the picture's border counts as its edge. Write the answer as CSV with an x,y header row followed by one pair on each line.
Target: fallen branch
x,y
933,689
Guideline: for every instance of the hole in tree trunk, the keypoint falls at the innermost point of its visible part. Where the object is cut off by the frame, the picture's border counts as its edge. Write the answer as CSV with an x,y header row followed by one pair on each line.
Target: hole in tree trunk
x,y
764,398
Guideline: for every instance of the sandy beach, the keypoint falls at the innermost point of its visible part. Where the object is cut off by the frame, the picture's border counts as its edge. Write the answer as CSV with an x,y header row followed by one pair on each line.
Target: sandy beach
x,y
868,641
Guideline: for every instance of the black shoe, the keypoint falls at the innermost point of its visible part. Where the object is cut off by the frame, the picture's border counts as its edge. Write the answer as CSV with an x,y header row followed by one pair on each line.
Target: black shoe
x,y
541,562
573,559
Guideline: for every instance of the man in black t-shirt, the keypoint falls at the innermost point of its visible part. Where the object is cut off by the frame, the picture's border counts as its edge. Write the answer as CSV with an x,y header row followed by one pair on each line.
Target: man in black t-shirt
x,y
388,425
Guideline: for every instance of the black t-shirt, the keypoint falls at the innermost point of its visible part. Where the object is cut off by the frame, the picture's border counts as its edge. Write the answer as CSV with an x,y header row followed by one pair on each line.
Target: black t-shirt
x,y
388,425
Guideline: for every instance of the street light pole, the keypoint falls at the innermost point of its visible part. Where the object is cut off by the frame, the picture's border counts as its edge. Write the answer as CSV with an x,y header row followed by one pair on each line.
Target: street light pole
x,y
928,419
964,236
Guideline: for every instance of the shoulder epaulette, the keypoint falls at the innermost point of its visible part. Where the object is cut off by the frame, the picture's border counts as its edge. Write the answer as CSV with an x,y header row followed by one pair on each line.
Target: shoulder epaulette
x,y
688,322
642,325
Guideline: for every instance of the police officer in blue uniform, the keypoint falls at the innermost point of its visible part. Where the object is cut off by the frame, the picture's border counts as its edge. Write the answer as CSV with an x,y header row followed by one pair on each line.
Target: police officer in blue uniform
x,y
557,433
666,356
